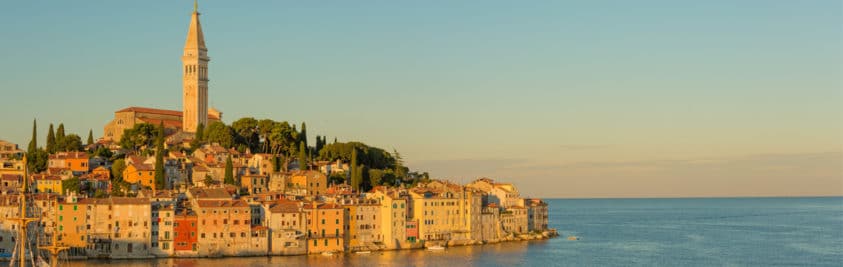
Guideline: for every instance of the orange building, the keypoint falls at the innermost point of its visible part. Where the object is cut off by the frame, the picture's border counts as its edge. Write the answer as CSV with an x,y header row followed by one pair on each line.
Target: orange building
x,y
76,162
185,231
72,221
139,172
325,225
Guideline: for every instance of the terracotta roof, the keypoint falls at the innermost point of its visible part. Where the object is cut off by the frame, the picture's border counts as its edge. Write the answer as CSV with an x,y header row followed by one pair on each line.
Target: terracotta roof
x,y
201,193
45,177
167,123
158,111
309,206
69,155
129,201
222,203
284,207
143,167
16,177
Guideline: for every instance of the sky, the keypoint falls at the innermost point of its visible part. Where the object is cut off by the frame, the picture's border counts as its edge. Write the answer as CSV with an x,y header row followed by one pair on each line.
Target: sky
x,y
564,99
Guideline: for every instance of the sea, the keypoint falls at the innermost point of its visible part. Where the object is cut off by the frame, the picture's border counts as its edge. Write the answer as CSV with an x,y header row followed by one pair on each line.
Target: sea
x,y
623,232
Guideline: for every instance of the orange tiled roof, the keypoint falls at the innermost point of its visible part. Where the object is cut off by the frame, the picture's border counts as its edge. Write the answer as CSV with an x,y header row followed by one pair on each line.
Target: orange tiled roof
x,y
158,111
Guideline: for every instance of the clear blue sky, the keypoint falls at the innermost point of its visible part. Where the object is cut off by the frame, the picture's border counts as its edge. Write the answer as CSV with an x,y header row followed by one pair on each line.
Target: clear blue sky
x,y
566,99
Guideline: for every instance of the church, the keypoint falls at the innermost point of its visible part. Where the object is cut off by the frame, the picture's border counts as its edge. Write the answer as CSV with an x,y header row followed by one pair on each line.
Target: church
x,y
195,108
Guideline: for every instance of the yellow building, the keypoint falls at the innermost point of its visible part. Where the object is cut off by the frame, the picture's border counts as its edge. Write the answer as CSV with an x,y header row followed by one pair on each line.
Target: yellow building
x,y
314,183
363,231
393,216
47,184
437,212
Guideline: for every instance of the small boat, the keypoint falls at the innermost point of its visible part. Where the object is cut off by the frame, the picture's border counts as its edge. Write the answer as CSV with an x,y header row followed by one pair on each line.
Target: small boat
x,y
436,247
327,253
573,238
363,252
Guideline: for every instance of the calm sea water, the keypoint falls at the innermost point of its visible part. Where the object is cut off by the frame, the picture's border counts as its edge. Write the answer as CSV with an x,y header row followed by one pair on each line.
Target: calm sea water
x,y
626,232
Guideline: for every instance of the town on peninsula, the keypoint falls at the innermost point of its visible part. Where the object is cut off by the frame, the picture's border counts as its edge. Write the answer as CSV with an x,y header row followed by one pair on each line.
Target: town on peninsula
x,y
166,183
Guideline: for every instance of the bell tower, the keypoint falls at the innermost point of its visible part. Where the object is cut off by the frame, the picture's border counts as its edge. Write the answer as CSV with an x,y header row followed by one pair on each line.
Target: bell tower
x,y
195,76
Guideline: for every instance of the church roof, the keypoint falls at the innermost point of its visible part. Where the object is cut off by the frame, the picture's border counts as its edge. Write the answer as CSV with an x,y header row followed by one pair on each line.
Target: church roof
x,y
159,112
195,38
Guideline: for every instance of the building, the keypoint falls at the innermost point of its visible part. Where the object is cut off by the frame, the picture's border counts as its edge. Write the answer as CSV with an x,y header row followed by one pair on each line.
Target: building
x,y
287,227
10,182
514,220
325,227
438,212
137,172
76,162
11,166
128,117
72,224
255,183
313,183
163,232
537,215
185,233
224,227
363,221
47,183
9,150
393,216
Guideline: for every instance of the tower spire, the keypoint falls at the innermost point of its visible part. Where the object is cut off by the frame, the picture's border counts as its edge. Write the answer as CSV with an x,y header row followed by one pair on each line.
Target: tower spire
x,y
195,76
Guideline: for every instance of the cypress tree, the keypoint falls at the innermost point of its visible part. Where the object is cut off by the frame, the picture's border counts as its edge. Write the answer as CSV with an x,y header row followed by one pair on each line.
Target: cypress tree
x,y
51,140
90,137
33,143
60,145
302,157
229,172
303,135
159,158
355,179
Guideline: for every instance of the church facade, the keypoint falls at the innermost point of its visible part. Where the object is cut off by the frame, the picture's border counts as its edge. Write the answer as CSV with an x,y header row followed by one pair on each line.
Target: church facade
x,y
195,108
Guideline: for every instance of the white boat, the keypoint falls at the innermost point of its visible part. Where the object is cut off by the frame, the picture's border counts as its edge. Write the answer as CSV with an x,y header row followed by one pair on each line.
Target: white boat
x,y
363,252
573,238
327,253
436,247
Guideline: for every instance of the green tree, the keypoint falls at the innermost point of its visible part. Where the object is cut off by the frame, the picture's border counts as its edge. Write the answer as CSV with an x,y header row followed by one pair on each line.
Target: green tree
x,y
337,178
302,157
70,185
60,135
303,134
209,181
138,137
355,171
90,137
100,194
218,132
400,171
160,179
246,130
319,145
37,160
71,142
199,137
51,140
33,143
229,172
103,152
117,170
